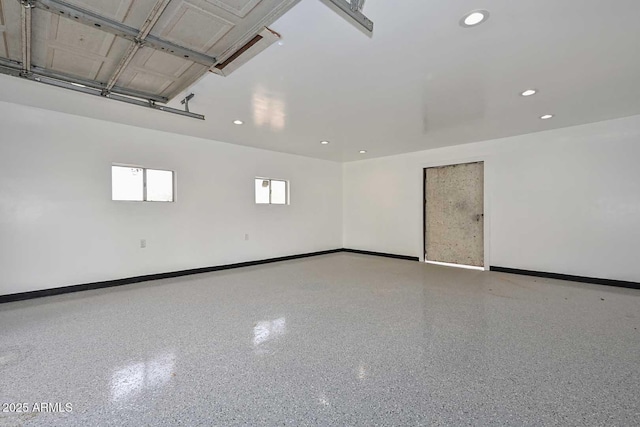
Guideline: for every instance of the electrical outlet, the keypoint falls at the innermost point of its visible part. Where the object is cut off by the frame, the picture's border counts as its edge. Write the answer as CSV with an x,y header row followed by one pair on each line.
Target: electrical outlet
x,y
246,237
143,243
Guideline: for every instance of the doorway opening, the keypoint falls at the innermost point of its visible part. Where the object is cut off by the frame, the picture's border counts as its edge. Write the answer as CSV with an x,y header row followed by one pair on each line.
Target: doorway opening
x,y
454,215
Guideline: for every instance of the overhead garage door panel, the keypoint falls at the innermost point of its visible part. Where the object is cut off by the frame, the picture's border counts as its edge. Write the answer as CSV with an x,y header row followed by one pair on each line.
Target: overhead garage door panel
x,y
100,42
65,46
240,8
157,72
10,43
184,26
228,23
130,12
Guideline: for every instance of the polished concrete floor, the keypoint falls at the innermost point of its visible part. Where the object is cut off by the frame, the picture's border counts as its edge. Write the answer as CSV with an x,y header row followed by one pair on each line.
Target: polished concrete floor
x,y
340,339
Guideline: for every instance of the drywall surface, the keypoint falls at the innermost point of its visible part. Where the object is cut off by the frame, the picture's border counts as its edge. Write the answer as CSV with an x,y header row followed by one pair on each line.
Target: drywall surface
x,y
563,201
59,226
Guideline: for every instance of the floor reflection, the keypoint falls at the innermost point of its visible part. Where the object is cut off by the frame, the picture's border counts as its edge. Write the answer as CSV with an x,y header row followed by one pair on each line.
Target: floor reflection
x,y
362,372
266,330
135,378
323,400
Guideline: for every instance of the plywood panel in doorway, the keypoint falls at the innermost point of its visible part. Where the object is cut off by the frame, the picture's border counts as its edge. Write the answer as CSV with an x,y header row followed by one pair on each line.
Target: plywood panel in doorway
x,y
454,214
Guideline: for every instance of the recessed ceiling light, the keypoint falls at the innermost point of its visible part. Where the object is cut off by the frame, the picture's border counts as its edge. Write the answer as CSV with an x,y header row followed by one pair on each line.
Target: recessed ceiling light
x,y
529,92
280,43
363,151
474,18
547,117
238,122
324,142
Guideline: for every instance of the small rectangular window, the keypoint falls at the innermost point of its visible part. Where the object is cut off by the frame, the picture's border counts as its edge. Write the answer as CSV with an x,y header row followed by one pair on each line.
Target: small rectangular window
x,y
131,183
159,186
262,191
272,191
127,183
278,192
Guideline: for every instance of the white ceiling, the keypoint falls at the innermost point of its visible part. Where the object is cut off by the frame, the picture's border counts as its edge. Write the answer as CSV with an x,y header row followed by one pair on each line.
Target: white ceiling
x,y
421,81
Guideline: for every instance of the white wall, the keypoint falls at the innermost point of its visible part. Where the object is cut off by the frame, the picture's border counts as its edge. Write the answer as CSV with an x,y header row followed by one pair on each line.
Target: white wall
x,y
59,226
564,201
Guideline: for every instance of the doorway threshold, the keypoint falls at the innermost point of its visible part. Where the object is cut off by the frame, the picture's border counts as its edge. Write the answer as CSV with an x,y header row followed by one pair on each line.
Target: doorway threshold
x,y
448,264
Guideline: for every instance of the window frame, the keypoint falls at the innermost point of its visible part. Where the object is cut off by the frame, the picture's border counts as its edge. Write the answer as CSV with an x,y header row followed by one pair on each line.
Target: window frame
x,y
144,183
286,191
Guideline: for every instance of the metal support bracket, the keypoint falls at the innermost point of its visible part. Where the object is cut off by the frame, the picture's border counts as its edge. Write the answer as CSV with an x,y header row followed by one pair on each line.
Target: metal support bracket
x,y
186,100
25,29
84,82
353,10
40,75
356,5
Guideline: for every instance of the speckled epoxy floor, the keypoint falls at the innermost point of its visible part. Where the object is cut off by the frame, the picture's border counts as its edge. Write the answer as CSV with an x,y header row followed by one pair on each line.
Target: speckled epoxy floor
x,y
340,339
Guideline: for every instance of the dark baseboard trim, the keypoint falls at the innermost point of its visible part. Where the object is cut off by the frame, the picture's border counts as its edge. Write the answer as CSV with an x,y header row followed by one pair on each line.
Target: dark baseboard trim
x,y
582,279
382,254
129,280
